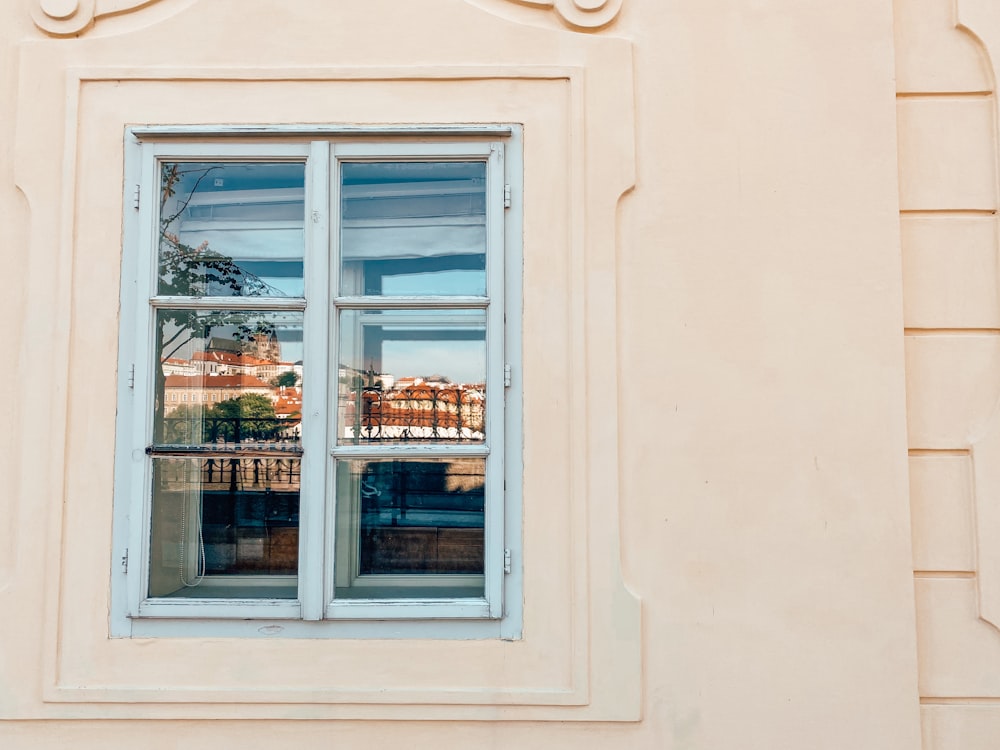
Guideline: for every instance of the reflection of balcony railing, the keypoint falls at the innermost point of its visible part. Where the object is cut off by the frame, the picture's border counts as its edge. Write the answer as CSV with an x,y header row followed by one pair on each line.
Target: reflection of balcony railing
x,y
275,474
241,511
244,435
243,474
416,413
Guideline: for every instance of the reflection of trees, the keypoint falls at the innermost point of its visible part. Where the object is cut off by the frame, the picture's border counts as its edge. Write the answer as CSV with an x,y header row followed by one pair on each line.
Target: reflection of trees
x,y
189,271
247,417
250,417
185,425
286,379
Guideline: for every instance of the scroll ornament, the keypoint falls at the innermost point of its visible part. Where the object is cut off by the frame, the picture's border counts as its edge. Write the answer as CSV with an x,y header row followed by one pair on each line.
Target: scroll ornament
x,y
74,17
583,15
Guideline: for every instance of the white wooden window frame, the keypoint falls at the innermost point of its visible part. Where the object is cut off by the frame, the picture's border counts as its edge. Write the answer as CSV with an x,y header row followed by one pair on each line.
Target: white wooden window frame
x,y
317,612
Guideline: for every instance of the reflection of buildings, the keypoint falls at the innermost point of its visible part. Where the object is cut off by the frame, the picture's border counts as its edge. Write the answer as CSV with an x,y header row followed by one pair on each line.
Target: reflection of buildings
x,y
373,407
263,345
416,408
228,369
223,357
211,389
289,401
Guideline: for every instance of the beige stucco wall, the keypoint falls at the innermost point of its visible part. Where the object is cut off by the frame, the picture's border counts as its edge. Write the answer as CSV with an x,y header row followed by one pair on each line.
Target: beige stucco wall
x,y
739,568
946,83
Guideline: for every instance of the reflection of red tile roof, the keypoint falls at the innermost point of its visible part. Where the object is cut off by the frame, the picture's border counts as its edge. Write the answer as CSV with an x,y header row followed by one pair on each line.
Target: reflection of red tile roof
x,y
289,402
229,358
214,381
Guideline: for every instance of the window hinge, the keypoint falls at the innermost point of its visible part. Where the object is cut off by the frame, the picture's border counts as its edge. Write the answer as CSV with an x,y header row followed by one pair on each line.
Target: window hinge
x,y
506,561
506,376
125,561
506,196
131,378
135,198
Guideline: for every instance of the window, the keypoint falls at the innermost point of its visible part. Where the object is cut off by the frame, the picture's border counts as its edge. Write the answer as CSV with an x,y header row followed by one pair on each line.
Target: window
x,y
366,481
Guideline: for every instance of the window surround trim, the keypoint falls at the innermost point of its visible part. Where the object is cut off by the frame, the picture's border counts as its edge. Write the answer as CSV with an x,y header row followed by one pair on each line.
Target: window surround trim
x,y
321,130
135,347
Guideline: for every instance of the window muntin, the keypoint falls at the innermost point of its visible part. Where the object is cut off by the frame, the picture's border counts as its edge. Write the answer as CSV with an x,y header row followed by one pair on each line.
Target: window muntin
x,y
211,509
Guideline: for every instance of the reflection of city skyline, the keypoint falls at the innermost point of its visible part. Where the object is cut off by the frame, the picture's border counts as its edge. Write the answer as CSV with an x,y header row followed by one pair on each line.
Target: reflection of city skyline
x,y
281,337
381,407
373,406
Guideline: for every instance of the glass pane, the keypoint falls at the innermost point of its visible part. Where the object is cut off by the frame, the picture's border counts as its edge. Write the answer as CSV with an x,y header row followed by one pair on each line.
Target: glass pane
x,y
410,528
231,229
413,228
228,379
411,376
224,526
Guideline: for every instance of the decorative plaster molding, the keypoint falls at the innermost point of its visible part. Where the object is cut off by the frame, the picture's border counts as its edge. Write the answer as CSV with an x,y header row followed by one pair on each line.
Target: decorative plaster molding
x,y
583,15
980,19
589,671
986,495
73,17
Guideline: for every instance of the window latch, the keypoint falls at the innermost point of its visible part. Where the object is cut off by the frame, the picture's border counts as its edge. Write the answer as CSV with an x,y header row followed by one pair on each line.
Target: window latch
x,y
125,561
506,196
506,376
135,197
506,561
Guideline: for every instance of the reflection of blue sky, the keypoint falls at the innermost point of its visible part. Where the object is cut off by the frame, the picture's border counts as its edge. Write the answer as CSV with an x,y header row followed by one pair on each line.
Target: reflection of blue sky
x,y
440,282
459,361
407,228
290,341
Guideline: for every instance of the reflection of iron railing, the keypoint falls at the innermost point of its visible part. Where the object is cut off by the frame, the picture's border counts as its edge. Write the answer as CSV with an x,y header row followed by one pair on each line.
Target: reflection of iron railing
x,y
256,471
229,430
417,413
231,473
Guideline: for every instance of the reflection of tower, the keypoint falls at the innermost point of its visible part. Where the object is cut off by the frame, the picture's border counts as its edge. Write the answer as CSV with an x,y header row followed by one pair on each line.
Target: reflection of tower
x,y
265,346
216,344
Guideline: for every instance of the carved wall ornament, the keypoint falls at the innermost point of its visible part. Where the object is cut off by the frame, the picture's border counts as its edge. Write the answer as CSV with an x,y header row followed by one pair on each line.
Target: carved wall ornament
x,y
72,17
585,15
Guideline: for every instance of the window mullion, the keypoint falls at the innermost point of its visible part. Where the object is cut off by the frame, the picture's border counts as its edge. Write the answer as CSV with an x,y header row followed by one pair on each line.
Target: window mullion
x,y
316,334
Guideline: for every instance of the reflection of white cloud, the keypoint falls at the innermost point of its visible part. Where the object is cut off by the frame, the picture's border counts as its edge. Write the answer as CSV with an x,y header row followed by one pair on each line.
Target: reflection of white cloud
x,y
459,361
267,243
